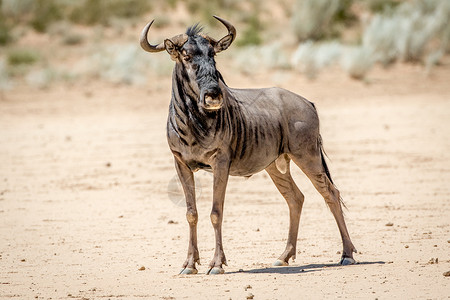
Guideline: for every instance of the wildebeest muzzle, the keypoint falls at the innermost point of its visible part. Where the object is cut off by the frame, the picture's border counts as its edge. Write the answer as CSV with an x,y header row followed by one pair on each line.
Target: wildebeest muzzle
x,y
211,99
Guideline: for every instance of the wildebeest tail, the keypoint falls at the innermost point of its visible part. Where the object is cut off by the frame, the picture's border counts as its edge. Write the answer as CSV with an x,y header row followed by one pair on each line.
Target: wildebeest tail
x,y
324,163
325,167
322,151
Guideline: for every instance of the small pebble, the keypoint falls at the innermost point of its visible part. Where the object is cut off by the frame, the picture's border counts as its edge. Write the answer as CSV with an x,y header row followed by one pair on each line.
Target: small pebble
x,y
250,296
248,287
141,268
241,270
389,224
406,246
446,274
433,261
172,222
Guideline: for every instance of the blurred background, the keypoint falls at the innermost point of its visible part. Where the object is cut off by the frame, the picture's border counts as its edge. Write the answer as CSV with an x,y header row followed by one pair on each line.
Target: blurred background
x,y
88,192
46,42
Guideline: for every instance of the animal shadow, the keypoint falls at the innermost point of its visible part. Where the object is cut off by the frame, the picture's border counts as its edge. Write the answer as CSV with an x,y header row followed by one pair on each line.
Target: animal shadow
x,y
302,269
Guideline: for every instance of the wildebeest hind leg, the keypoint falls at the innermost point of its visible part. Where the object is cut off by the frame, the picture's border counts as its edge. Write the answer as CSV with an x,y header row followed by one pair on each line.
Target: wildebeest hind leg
x,y
315,168
294,198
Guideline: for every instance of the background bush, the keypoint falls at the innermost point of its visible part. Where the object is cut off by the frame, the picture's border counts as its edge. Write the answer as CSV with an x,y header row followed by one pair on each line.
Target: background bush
x,y
22,57
354,35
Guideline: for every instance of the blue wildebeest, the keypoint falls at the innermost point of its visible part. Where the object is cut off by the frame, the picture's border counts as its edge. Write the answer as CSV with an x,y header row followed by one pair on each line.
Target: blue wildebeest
x,y
239,132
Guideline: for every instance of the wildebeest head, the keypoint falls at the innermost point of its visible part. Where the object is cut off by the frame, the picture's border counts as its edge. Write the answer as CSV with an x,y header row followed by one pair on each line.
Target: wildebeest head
x,y
194,52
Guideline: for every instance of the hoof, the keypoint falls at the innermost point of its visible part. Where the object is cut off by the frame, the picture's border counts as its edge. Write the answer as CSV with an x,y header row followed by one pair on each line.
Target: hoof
x,y
280,263
345,261
215,271
187,271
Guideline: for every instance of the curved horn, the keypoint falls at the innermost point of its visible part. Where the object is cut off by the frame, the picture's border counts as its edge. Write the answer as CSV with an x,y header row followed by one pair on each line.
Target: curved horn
x,y
231,29
144,42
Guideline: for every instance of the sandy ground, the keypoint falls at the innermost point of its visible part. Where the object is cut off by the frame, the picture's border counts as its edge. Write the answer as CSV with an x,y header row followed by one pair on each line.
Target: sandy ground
x,y
88,196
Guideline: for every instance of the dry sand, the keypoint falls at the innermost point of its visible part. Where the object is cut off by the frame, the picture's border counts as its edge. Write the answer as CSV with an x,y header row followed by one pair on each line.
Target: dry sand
x,y
88,196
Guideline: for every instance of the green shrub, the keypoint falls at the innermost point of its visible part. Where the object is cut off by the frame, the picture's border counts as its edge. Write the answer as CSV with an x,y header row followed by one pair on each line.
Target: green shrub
x,y
252,34
22,57
162,22
5,35
344,13
206,9
172,3
128,8
379,6
16,9
73,39
45,12
91,12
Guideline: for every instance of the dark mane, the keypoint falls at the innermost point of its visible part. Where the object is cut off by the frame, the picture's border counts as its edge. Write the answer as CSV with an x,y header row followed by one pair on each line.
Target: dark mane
x,y
194,30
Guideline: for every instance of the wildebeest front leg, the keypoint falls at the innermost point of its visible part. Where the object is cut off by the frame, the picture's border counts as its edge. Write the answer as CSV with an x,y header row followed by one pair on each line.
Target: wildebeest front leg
x,y
187,181
221,172
294,198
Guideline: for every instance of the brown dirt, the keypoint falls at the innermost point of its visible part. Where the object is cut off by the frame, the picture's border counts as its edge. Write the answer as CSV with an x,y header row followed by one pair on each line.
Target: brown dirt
x,y
89,206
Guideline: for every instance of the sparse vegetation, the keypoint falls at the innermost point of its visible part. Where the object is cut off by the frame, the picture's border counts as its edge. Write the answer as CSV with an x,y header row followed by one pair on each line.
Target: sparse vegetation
x,y
40,14
5,35
310,58
312,19
5,26
253,58
380,6
252,34
40,78
91,12
73,39
357,61
409,32
45,12
5,82
206,9
416,31
22,57
352,34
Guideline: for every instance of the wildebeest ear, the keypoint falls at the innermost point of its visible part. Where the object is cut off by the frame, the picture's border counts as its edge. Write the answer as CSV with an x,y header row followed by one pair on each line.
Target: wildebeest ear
x,y
224,43
171,49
